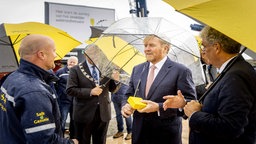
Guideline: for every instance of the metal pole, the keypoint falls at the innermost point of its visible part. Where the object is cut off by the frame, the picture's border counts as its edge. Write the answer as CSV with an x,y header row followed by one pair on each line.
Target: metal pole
x,y
133,9
141,7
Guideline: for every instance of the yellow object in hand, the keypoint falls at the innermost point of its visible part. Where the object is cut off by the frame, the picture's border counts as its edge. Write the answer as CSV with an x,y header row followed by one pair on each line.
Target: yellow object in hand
x,y
135,102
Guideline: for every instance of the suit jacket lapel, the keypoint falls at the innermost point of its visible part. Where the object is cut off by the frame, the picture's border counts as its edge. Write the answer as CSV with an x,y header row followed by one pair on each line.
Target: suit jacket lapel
x,y
87,70
143,77
159,78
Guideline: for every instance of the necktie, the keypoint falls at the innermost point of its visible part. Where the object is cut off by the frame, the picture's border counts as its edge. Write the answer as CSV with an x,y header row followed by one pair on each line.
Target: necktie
x,y
95,75
150,79
208,74
209,69
205,74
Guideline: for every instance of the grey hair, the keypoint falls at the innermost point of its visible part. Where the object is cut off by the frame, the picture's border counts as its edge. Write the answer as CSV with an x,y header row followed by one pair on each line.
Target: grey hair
x,y
212,36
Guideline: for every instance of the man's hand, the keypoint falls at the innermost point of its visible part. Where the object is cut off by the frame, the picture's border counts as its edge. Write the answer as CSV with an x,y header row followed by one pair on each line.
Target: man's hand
x,y
75,141
151,107
208,85
127,110
191,107
96,91
174,101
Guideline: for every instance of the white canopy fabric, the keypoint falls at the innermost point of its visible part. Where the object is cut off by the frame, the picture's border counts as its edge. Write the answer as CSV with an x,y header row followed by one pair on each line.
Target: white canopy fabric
x,y
184,47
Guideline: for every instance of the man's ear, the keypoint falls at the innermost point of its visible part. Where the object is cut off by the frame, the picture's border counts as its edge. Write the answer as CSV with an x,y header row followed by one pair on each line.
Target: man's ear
x,y
217,47
167,48
40,55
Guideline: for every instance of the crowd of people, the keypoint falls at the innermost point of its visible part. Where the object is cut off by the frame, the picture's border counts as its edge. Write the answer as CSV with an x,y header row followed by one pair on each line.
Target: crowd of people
x,y
34,111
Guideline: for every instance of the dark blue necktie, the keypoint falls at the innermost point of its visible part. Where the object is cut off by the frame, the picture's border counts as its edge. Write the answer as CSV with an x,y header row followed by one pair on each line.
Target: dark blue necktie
x,y
210,72
95,75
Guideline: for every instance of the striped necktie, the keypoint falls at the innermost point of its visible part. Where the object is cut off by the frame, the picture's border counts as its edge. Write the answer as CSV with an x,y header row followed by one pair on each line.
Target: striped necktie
x,y
95,75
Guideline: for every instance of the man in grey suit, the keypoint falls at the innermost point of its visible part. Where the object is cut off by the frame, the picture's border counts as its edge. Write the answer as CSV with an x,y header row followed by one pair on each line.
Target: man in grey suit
x,y
91,108
227,114
152,124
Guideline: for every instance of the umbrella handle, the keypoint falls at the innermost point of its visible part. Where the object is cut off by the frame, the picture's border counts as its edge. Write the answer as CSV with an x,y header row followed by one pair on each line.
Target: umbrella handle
x,y
138,84
137,88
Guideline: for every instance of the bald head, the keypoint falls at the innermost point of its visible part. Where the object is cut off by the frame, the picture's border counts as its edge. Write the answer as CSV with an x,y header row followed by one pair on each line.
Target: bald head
x,y
72,61
39,50
33,43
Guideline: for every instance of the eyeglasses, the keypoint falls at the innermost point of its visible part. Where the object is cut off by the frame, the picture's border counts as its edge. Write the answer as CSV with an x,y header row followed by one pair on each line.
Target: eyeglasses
x,y
204,46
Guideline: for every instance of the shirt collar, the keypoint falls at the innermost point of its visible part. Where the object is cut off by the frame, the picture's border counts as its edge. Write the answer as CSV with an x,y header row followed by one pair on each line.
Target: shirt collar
x,y
159,64
224,65
89,65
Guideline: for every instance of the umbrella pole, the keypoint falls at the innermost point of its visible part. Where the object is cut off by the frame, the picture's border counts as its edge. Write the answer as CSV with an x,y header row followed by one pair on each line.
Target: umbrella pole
x,y
13,50
221,76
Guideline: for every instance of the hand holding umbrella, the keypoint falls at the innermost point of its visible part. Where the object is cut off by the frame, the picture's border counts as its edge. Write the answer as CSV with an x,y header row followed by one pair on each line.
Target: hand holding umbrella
x,y
191,107
96,91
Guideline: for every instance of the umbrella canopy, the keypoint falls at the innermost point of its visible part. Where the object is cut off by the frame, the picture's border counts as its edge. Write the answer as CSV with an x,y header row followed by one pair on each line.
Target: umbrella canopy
x,y
130,33
12,34
97,31
118,56
236,19
122,54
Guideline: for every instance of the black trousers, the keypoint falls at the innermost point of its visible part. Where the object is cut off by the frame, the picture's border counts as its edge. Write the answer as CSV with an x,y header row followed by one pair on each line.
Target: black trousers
x,y
97,129
158,131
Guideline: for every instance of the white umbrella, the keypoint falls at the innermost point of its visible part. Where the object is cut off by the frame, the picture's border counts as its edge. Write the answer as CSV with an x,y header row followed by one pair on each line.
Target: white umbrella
x,y
184,47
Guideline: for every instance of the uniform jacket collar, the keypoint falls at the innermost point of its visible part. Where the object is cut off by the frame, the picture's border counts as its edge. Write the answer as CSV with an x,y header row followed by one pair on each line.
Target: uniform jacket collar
x,y
31,69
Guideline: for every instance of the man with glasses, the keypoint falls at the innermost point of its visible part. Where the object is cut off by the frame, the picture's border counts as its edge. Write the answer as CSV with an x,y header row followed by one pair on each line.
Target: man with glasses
x,y
210,73
227,114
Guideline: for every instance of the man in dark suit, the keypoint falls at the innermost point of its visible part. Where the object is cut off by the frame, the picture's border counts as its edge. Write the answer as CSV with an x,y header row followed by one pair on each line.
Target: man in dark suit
x,y
152,124
228,112
91,109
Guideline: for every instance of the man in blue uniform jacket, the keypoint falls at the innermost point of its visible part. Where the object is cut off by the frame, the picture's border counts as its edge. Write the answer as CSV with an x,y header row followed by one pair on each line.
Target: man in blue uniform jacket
x,y
29,112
